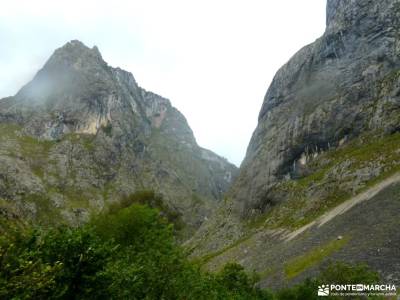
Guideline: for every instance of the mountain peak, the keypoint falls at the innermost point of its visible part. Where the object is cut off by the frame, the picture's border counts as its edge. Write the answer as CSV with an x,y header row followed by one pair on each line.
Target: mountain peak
x,y
76,54
72,69
75,43
76,46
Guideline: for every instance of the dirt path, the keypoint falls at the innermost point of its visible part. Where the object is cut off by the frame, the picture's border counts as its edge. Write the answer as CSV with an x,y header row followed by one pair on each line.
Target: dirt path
x,y
345,206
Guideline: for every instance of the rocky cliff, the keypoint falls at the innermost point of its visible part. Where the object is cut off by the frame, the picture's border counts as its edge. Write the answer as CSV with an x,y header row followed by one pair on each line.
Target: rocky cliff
x,y
82,134
330,92
327,131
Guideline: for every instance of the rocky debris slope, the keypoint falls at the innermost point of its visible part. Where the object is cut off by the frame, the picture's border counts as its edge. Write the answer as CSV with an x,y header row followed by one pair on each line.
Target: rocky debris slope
x,y
82,134
328,130
359,235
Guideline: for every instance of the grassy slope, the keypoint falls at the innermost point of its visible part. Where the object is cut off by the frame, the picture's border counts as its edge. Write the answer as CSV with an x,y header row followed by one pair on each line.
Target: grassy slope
x,y
380,155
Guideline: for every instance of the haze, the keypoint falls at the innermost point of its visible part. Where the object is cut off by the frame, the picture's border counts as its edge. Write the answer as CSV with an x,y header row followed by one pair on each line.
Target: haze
x,y
213,59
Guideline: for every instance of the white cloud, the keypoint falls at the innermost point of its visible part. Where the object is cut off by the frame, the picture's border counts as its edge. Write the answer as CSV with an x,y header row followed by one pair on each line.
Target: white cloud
x,y
213,59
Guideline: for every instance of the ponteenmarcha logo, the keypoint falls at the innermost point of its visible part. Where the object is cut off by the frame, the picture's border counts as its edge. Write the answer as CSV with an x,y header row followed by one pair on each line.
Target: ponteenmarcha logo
x,y
357,290
323,290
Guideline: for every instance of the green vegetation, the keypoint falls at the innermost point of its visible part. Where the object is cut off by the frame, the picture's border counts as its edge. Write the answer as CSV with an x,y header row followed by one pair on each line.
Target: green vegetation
x,y
36,151
37,157
28,145
84,139
368,151
299,264
332,273
130,252
126,253
206,258
153,200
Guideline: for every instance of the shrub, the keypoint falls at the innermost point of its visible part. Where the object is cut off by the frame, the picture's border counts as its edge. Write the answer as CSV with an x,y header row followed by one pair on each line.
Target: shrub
x,y
152,200
131,253
23,274
83,256
59,263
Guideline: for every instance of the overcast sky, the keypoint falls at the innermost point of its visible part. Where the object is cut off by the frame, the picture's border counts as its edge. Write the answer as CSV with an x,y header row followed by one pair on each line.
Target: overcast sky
x,y
213,59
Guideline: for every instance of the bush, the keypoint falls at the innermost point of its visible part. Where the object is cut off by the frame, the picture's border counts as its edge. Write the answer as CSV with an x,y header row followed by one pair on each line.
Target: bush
x,y
131,253
23,274
83,257
59,263
152,200
148,260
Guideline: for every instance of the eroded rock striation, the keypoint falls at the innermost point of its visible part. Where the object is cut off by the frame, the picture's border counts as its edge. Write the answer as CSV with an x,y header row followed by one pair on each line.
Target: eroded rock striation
x,y
343,85
82,134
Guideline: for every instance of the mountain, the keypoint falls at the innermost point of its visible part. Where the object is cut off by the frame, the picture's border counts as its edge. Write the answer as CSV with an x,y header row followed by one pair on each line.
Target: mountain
x,y
83,134
313,183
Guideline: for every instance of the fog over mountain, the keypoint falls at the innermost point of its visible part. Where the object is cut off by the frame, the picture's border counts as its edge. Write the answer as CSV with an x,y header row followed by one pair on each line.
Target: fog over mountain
x,y
218,54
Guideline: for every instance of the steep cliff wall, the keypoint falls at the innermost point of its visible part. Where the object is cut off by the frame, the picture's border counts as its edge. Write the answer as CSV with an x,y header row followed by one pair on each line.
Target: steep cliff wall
x,y
343,85
82,134
327,133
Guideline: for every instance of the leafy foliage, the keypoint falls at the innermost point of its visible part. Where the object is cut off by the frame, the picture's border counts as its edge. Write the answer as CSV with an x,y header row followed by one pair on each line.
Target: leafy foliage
x,y
24,275
61,262
129,253
153,200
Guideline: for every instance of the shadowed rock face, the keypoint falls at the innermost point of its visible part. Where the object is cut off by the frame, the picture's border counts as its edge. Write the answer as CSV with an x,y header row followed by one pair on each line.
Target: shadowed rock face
x,y
95,135
344,84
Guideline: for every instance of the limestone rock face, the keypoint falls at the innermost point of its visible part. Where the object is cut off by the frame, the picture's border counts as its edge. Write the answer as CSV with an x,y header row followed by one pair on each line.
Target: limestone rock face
x,y
82,133
328,135
344,84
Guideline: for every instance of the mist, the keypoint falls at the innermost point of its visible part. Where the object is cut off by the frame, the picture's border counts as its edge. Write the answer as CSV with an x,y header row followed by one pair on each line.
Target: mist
x,y
213,59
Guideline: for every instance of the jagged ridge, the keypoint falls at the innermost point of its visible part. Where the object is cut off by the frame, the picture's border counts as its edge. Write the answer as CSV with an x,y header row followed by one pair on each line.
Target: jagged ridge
x,y
82,134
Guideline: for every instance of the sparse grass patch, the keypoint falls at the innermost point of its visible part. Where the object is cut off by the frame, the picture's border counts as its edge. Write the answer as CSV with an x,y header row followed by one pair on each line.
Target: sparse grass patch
x,y
299,208
32,146
47,214
86,140
37,153
208,257
299,264
8,131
